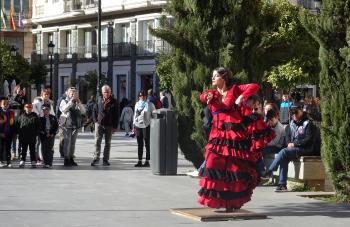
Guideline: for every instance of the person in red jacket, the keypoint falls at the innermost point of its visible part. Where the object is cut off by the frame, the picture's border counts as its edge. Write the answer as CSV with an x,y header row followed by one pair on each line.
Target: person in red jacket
x,y
229,174
7,131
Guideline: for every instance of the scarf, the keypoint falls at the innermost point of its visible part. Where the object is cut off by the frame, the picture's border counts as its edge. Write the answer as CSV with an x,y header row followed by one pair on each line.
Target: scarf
x,y
141,105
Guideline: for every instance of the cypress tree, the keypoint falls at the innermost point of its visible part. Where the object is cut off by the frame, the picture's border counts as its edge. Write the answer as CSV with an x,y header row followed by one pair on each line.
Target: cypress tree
x,y
249,37
331,30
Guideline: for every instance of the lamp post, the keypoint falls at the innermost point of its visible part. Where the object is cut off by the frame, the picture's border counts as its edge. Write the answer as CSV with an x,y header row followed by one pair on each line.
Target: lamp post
x,y
50,47
318,4
99,48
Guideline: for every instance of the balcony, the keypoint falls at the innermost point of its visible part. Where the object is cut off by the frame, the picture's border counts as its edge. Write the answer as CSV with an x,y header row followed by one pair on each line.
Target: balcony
x,y
151,47
143,48
121,49
72,5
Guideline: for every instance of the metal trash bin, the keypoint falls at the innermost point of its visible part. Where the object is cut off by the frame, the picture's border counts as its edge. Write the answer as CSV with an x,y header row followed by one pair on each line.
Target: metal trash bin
x,y
163,142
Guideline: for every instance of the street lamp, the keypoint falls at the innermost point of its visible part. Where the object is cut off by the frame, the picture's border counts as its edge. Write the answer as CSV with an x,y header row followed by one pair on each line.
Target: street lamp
x,y
50,47
318,4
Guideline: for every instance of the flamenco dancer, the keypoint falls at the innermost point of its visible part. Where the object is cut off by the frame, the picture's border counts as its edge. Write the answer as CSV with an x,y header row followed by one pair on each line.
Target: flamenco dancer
x,y
230,173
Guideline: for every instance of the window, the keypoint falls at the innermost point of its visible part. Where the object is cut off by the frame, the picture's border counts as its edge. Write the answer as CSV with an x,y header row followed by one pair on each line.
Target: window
x,y
125,33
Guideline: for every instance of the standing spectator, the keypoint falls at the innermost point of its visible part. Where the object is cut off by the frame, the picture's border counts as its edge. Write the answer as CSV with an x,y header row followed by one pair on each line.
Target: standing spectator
x,y
284,109
28,128
126,118
19,96
150,97
70,121
312,109
38,102
164,100
18,100
7,118
49,127
122,104
300,139
142,120
60,130
89,110
105,116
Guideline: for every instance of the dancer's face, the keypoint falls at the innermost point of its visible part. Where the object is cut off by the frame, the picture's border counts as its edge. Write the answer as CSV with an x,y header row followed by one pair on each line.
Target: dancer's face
x,y
217,80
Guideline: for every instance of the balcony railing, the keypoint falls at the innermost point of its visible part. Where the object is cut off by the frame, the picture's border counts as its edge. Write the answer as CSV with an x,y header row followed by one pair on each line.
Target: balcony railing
x,y
151,47
72,5
143,48
121,49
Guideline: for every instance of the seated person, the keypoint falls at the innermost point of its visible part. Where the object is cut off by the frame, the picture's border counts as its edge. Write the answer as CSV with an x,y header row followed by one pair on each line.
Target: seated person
x,y
278,142
300,139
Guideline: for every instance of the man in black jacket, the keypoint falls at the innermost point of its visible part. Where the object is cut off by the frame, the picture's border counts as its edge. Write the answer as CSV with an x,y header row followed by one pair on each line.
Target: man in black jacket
x,y
106,118
301,139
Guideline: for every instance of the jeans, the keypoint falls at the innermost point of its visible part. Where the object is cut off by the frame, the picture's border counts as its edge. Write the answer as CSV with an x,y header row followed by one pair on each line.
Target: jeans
x,y
101,130
61,144
143,135
70,137
265,151
5,150
47,144
24,149
283,158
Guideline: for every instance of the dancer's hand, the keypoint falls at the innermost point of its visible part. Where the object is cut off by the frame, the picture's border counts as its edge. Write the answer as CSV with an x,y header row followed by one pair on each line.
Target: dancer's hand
x,y
239,100
209,97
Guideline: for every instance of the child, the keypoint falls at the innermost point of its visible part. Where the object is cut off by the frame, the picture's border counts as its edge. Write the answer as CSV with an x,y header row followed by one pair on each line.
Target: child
x,y
28,128
7,133
49,127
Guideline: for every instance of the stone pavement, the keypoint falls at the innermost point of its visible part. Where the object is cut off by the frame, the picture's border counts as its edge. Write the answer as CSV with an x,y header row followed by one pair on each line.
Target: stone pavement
x,y
125,196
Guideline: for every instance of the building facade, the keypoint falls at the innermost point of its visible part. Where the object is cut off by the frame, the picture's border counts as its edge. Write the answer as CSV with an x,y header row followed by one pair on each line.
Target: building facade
x,y
19,36
128,49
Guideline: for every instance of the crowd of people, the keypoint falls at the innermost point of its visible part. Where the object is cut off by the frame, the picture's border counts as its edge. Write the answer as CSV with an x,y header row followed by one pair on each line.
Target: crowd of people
x,y
34,125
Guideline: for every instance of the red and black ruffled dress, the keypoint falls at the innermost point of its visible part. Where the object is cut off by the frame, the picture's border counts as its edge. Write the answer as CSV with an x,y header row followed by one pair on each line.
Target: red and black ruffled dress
x,y
229,175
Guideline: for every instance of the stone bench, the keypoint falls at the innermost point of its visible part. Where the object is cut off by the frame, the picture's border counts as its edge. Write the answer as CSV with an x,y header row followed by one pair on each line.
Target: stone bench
x,y
306,171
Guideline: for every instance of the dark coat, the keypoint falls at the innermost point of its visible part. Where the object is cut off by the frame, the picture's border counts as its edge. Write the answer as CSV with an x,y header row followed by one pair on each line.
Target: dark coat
x,y
106,114
304,136
28,127
53,123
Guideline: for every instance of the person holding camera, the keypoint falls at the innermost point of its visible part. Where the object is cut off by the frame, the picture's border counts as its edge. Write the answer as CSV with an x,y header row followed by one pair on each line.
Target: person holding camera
x,y
70,121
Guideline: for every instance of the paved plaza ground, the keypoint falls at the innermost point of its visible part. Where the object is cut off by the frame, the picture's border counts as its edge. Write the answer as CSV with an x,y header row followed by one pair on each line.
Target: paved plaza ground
x,y
125,196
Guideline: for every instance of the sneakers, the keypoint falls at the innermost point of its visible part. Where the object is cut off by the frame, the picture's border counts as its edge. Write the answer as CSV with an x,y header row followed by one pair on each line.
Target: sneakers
x,y
94,162
126,134
146,164
281,188
139,164
2,164
194,174
106,163
21,164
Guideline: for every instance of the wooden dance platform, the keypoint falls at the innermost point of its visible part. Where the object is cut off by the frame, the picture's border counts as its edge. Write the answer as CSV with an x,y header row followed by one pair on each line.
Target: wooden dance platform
x,y
209,214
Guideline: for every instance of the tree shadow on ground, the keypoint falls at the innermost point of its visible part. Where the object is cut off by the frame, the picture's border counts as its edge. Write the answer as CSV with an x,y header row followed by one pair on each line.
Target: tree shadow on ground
x,y
313,208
